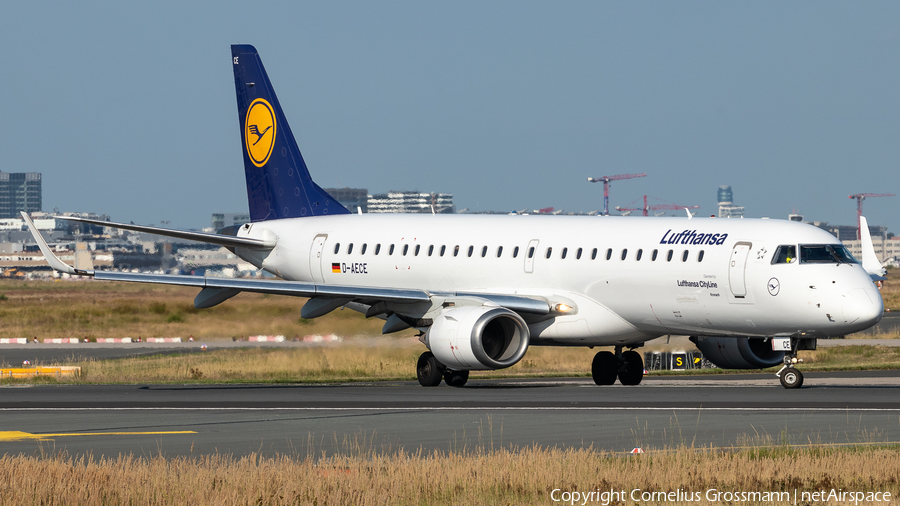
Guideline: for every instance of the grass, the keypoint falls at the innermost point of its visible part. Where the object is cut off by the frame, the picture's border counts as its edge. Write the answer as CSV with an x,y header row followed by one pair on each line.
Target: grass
x,y
383,358
890,292
97,309
505,476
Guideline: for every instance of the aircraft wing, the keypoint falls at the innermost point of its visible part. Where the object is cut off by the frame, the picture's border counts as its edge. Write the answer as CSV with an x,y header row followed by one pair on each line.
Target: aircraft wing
x,y
219,289
216,290
222,240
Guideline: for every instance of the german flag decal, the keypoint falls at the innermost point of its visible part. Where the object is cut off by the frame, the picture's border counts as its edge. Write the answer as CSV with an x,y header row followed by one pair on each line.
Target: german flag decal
x,y
336,268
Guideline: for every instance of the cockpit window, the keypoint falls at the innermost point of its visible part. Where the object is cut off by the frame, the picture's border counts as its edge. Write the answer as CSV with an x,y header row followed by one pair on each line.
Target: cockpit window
x,y
785,255
825,254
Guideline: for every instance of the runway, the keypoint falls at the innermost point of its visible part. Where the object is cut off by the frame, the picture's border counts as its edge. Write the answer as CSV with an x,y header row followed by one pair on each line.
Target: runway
x,y
172,420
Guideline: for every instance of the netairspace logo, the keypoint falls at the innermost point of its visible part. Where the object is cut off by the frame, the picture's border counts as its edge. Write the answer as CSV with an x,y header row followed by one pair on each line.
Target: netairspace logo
x,y
607,497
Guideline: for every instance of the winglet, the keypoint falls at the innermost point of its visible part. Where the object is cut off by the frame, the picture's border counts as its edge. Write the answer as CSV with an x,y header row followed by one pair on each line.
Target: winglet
x,y
869,260
53,260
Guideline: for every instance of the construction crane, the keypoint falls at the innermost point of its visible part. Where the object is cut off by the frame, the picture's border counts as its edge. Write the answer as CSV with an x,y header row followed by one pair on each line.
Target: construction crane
x,y
859,200
656,207
605,180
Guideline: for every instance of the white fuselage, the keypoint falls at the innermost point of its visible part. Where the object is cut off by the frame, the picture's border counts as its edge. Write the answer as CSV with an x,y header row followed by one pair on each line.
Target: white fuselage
x,y
733,290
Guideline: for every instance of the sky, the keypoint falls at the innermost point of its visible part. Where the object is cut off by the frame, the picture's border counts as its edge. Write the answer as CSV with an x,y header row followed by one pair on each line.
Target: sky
x,y
128,109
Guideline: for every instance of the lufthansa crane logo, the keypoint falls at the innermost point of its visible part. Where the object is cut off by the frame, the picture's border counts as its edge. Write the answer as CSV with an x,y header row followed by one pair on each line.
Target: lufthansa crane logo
x,y
259,131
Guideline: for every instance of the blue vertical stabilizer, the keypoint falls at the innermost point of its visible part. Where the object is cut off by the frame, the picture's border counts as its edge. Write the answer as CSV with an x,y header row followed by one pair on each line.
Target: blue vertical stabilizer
x,y
278,182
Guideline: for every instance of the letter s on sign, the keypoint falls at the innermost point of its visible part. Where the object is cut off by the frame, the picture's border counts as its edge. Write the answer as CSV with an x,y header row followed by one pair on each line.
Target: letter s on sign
x,y
235,60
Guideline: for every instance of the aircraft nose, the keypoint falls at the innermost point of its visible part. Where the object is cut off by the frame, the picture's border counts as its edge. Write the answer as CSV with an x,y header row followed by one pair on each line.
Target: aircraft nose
x,y
863,307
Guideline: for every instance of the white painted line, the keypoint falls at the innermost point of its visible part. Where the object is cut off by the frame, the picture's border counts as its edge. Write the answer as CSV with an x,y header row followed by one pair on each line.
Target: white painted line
x,y
454,408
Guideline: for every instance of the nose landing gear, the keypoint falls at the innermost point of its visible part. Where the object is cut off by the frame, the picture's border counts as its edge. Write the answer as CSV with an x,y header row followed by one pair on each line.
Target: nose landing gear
x,y
789,376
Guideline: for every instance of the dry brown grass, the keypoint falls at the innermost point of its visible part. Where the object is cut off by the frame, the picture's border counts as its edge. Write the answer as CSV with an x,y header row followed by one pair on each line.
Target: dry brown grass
x,y
890,292
378,359
506,476
99,309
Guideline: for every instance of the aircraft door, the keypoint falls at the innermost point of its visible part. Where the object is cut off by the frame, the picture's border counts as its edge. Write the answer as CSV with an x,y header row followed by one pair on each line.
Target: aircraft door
x,y
737,269
315,258
530,253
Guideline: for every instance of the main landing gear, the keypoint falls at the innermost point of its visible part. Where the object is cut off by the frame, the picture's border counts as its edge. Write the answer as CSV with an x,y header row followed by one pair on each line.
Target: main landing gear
x,y
788,374
430,372
627,366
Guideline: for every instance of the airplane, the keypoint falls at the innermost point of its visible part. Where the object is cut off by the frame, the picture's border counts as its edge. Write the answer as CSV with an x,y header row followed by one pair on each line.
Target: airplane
x,y
482,289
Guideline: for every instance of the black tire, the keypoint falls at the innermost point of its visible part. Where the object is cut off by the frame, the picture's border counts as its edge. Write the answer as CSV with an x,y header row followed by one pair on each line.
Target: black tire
x,y
456,378
631,370
604,368
429,371
791,378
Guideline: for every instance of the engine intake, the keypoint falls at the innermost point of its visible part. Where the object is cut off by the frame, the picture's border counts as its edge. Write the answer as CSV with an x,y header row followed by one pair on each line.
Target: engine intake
x,y
478,338
738,352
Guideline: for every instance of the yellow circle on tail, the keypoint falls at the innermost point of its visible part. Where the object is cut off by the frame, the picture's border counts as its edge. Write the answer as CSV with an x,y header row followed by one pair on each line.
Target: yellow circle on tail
x,y
259,131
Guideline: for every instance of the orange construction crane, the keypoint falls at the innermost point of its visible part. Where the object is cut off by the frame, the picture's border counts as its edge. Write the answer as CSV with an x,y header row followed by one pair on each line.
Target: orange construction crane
x,y
655,207
859,200
605,180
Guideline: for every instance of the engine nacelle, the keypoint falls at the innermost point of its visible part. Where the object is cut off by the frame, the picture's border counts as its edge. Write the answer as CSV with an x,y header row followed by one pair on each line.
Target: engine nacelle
x,y
739,352
478,338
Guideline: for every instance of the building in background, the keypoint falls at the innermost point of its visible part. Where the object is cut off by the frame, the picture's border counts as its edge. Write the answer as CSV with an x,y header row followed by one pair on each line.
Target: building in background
x,y
351,198
411,202
727,209
222,220
19,191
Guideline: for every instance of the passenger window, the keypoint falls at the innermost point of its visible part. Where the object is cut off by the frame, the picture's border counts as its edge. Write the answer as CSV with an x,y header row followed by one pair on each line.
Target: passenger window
x,y
516,252
456,250
430,249
418,246
669,256
653,258
443,249
624,253
363,250
337,247
405,249
785,255
700,256
637,257
471,250
594,254
483,251
564,251
350,248
578,254
531,252
378,248
391,250
609,253
549,252
684,256
499,251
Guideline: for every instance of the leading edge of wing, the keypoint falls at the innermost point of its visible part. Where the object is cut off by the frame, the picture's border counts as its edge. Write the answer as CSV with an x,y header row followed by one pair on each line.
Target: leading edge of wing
x,y
221,240
273,286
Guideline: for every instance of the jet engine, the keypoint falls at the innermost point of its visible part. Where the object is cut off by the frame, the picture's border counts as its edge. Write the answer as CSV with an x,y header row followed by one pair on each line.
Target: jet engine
x,y
739,352
478,338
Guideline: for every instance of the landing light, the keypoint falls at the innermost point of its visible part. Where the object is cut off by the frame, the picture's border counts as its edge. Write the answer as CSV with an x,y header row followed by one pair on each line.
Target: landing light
x,y
563,308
